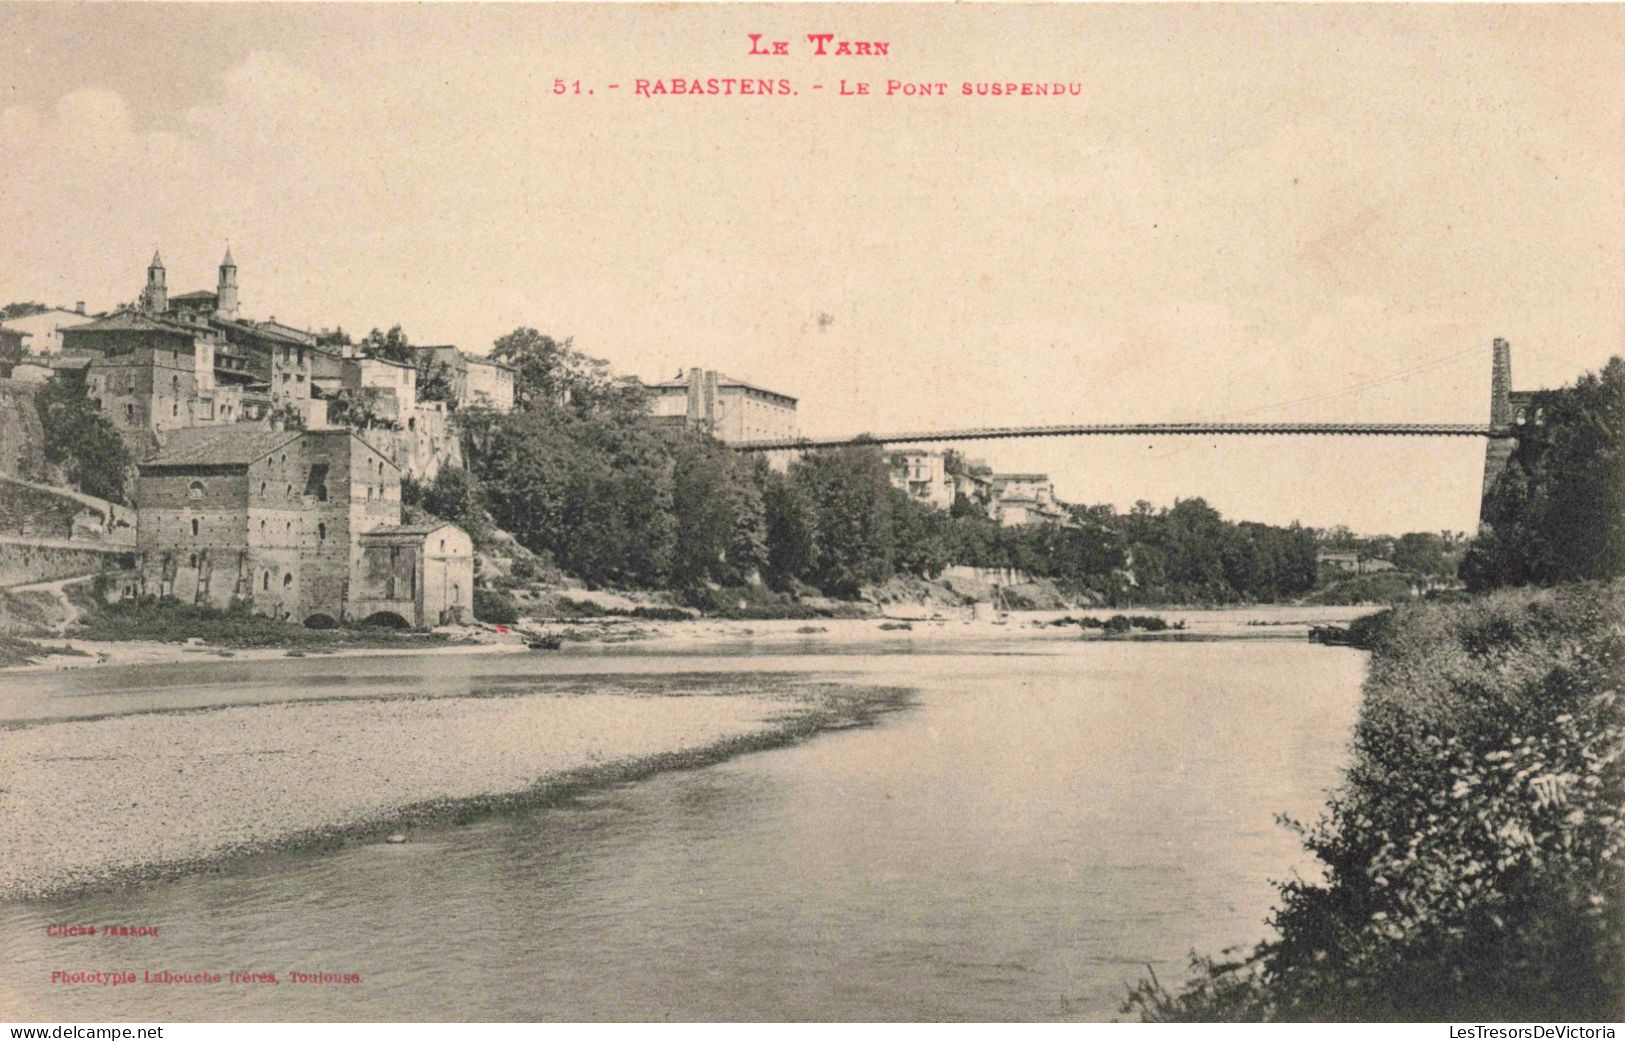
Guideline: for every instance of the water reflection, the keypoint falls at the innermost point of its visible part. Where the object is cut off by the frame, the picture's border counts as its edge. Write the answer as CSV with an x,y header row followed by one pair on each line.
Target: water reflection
x,y
1015,846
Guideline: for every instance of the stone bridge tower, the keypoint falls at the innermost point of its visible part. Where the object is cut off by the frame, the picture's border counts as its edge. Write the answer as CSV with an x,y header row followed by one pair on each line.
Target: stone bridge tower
x,y
1504,418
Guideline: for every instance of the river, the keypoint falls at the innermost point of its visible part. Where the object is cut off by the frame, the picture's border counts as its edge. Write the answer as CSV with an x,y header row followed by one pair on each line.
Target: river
x,y
1042,822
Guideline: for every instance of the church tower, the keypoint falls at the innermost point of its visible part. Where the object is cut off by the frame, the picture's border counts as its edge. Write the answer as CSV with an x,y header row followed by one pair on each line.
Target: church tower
x,y
226,291
156,296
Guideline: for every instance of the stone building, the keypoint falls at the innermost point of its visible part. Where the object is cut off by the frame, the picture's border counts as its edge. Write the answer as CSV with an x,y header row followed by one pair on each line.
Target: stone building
x,y
420,573
1027,498
270,361
731,409
476,382
272,517
44,328
149,374
923,475
487,384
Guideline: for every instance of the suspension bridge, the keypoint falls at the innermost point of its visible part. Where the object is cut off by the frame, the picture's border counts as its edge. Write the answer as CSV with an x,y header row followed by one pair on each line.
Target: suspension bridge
x,y
1508,410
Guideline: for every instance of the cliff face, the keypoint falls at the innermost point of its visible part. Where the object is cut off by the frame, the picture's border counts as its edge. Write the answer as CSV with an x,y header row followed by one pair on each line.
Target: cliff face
x,y
22,439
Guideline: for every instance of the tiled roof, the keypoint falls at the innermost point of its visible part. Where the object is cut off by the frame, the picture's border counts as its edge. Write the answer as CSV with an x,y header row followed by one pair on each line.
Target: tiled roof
x,y
201,294
126,321
406,530
219,446
723,380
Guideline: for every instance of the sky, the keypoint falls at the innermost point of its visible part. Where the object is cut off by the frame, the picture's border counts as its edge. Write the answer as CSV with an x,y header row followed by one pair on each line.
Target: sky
x,y
1300,212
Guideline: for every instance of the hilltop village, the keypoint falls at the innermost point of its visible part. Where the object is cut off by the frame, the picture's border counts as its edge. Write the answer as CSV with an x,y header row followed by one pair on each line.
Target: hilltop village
x,y
268,460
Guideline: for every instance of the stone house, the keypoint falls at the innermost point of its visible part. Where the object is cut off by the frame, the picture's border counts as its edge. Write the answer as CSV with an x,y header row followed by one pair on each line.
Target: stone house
x,y
922,474
487,384
423,574
476,381
44,328
273,517
1025,498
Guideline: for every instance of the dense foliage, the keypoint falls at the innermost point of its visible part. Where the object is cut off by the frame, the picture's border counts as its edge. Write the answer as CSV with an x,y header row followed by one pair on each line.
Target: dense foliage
x,y
434,379
21,309
1473,857
582,472
453,495
80,440
1557,512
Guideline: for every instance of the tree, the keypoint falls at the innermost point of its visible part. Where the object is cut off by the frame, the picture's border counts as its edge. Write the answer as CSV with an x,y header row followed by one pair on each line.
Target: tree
x,y
435,380
22,309
1422,552
790,529
553,372
718,514
80,440
454,495
1557,511
391,346
355,407
851,494
593,492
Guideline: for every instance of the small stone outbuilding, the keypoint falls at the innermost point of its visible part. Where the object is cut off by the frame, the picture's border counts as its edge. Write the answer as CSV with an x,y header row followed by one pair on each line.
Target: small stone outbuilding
x,y
422,574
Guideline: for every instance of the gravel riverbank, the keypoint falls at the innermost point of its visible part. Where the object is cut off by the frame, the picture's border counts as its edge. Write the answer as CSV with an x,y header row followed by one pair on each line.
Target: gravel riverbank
x,y
105,802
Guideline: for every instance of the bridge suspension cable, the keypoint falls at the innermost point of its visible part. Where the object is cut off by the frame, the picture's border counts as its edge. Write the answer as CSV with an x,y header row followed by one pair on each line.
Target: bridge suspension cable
x,y
1201,429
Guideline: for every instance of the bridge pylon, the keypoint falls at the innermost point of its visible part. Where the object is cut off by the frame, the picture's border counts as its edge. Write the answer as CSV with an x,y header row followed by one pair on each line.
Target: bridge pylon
x,y
1503,420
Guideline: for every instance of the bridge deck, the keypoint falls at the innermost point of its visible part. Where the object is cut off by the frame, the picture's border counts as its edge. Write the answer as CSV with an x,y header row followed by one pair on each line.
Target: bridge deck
x,y
1137,429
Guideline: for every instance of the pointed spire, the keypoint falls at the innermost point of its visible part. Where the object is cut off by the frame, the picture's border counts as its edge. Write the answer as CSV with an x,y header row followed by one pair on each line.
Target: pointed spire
x,y
157,261
228,262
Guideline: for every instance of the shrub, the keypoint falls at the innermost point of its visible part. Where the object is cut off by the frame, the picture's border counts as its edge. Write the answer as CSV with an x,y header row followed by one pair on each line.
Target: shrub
x,y
497,608
1473,857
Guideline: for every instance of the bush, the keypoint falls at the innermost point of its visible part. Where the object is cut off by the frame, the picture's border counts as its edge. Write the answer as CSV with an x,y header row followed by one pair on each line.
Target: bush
x,y
494,607
168,620
1474,858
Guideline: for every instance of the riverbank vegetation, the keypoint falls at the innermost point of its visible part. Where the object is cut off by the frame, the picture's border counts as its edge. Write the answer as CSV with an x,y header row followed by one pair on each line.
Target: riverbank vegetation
x,y
1557,512
585,478
170,621
1472,860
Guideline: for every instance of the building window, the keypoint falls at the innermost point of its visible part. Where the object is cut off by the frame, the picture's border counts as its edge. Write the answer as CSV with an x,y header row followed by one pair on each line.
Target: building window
x,y
194,490
262,487
321,529
194,526
316,482
129,412
265,583
287,580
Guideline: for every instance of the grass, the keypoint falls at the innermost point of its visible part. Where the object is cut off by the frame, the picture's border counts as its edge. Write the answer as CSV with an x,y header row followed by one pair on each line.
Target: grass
x,y
14,650
1473,861
169,621
1119,623
1384,587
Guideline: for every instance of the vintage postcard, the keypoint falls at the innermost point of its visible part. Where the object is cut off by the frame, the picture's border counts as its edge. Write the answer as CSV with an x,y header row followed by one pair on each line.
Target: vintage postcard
x,y
811,513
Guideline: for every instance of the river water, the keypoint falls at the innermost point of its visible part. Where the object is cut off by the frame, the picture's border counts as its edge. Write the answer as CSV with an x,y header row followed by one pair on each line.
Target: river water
x,y
1041,823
